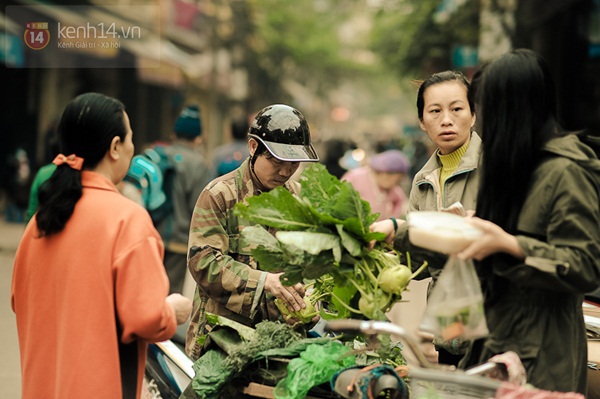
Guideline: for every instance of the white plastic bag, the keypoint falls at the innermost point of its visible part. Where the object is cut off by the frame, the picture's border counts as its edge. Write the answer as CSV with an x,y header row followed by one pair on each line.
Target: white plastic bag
x,y
455,304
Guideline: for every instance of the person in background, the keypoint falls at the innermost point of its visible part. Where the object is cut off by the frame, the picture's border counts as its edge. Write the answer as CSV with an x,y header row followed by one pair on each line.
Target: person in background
x,y
228,280
379,183
191,174
89,287
16,182
538,209
51,141
41,176
230,156
446,113
335,149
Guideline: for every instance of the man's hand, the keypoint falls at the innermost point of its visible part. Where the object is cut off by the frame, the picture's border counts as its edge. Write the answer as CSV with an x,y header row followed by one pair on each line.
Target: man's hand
x,y
291,295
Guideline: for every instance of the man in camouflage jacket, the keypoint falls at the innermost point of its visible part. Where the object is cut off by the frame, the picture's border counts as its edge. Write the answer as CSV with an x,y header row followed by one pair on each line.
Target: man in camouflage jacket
x,y
228,280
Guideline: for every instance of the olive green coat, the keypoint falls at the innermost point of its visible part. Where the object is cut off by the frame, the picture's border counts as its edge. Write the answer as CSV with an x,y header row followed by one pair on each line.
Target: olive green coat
x,y
534,308
425,195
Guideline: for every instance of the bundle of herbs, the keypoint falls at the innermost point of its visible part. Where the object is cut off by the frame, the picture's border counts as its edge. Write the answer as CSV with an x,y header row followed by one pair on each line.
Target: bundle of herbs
x,y
323,238
239,354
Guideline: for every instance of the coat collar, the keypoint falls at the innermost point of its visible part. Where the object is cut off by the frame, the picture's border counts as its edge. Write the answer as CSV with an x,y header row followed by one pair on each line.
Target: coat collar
x,y
468,162
95,180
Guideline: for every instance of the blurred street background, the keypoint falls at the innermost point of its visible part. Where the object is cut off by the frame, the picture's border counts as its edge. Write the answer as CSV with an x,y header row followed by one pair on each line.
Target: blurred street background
x,y
352,67
10,373
349,66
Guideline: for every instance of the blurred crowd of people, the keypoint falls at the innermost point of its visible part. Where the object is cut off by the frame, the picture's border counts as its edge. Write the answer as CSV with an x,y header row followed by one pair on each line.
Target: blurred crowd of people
x,y
22,175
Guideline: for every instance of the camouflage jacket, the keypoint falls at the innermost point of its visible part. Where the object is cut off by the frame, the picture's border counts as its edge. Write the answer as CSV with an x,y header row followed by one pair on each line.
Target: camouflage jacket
x,y
228,282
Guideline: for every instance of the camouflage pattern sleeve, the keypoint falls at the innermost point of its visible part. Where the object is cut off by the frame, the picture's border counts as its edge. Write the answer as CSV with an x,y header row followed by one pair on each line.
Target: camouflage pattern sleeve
x,y
225,276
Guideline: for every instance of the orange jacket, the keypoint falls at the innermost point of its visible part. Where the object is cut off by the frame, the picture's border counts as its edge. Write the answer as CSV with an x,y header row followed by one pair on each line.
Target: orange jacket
x,y
66,289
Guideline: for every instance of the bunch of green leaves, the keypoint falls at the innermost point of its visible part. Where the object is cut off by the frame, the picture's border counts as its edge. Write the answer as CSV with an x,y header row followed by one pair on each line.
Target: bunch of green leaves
x,y
236,349
323,235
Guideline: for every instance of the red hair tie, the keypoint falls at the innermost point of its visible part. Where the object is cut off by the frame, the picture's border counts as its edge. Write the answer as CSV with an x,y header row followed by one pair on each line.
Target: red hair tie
x,y
72,160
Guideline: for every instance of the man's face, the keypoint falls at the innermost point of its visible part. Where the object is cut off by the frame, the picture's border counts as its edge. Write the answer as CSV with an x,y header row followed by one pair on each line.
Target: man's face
x,y
272,172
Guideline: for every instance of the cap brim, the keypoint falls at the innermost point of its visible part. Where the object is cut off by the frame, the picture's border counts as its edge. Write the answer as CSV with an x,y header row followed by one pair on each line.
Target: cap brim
x,y
292,153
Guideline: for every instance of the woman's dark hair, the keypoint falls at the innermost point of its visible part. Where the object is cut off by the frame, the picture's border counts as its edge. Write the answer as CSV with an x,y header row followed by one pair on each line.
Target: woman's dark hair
x,y
87,127
516,103
442,77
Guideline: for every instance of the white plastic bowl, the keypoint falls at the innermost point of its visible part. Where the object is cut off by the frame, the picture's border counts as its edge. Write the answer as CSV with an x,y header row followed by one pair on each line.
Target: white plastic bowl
x,y
440,231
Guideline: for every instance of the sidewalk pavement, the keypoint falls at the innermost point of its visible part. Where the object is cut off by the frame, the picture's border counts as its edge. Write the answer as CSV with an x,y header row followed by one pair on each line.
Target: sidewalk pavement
x,y
10,369
10,235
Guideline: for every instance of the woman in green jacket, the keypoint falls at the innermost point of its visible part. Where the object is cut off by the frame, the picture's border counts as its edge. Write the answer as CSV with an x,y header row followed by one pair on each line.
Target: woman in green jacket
x,y
538,206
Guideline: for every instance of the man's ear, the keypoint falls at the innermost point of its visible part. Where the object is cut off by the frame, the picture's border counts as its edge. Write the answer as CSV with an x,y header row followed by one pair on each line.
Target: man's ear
x,y
252,145
115,146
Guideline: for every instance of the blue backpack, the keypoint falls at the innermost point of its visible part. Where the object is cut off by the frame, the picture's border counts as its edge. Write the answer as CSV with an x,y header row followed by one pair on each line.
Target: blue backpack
x,y
152,173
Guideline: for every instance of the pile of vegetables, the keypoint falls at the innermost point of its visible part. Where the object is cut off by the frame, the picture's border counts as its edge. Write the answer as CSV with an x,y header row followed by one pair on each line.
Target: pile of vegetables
x,y
322,240
239,354
323,237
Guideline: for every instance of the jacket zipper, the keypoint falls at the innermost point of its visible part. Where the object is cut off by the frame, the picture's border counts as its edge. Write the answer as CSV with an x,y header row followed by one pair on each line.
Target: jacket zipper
x,y
441,202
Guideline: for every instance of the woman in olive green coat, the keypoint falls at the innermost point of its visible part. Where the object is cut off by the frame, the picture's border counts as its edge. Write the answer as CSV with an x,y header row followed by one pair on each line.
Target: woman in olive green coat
x,y
446,113
538,206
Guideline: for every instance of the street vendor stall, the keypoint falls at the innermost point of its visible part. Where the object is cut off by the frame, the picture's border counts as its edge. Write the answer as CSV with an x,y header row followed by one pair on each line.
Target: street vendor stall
x,y
323,240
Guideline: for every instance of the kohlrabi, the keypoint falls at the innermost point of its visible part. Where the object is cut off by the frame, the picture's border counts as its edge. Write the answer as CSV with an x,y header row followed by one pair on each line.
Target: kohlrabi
x,y
395,278
373,306
307,314
303,315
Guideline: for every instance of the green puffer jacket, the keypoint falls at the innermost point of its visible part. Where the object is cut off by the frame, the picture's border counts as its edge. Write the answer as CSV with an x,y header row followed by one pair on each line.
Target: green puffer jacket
x,y
534,308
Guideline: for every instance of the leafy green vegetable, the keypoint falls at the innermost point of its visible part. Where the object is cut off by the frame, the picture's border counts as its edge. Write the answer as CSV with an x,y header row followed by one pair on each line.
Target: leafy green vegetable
x,y
295,215
245,332
340,295
222,364
268,335
211,373
324,235
315,366
294,348
313,243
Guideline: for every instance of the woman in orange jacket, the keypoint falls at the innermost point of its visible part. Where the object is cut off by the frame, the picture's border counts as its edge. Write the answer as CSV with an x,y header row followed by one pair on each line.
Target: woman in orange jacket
x,y
89,287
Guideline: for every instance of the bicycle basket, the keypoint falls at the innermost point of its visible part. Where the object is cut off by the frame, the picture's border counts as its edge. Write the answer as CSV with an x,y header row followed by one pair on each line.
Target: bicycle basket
x,y
438,384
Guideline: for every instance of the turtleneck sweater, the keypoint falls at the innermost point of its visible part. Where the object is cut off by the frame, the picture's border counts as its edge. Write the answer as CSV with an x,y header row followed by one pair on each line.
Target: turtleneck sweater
x,y
450,163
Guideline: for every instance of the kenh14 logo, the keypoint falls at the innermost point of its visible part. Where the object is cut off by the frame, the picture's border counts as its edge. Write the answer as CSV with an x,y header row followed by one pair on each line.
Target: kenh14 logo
x,y
37,35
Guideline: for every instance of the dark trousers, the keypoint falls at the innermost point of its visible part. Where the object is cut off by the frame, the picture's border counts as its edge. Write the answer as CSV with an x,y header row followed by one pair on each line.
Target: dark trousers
x,y
176,267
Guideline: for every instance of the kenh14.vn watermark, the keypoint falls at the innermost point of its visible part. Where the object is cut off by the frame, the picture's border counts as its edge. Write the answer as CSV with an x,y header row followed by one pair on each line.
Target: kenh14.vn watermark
x,y
57,36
